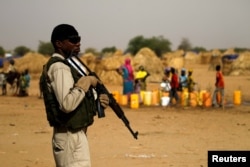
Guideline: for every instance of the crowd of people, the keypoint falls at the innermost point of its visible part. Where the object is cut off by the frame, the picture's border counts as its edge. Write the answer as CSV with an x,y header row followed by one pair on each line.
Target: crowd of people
x,y
172,82
19,82
185,82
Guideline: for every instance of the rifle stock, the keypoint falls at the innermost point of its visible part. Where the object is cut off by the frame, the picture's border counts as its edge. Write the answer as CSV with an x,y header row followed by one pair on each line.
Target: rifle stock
x,y
101,89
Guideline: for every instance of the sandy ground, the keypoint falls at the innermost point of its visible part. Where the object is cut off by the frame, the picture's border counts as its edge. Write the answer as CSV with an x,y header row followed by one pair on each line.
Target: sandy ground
x,y
168,137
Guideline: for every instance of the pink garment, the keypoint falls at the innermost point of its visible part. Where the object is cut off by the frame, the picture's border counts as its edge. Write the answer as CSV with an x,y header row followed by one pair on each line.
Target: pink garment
x,y
129,68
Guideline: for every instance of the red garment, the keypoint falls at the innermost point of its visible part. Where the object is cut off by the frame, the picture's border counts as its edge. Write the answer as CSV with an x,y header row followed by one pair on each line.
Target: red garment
x,y
130,69
174,81
219,80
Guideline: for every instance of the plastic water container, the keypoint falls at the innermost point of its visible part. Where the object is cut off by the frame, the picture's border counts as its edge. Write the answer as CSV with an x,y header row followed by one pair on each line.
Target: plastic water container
x,y
155,98
123,100
141,98
147,98
134,101
207,99
193,99
165,101
237,97
184,97
200,97
116,95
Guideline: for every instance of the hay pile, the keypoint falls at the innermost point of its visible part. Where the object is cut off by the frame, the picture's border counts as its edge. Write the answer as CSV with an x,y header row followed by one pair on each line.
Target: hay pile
x,y
216,52
33,62
106,66
241,66
236,65
205,57
191,58
214,61
227,66
89,59
229,52
147,58
174,59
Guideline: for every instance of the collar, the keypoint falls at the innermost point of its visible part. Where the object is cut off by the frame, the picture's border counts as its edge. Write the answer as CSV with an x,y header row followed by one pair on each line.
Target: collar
x,y
58,55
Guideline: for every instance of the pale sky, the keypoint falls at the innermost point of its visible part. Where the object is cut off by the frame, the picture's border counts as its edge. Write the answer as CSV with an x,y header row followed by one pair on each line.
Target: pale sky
x,y
106,23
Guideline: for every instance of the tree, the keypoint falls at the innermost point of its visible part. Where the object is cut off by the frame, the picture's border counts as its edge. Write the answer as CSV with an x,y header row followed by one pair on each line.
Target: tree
x,y
158,44
92,50
136,44
2,51
21,50
198,49
45,48
239,50
185,45
109,50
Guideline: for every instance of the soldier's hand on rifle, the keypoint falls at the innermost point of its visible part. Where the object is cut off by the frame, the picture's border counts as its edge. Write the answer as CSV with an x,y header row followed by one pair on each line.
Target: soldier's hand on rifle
x,y
104,99
87,81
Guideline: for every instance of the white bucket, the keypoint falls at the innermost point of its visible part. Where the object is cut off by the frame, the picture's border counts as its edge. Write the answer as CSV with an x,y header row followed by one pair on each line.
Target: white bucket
x,y
165,101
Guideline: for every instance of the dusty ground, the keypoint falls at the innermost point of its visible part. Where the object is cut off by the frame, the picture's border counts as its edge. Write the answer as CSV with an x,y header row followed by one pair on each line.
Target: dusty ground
x,y
171,137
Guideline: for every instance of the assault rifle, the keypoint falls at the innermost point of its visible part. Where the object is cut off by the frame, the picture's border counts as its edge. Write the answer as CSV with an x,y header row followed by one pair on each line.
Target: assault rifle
x,y
76,62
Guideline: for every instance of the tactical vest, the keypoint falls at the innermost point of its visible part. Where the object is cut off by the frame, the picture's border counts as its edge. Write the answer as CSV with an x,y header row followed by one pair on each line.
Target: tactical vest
x,y
81,117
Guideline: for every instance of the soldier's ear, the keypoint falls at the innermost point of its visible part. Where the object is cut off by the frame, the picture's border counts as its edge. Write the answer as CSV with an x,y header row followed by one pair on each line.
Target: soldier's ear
x,y
58,44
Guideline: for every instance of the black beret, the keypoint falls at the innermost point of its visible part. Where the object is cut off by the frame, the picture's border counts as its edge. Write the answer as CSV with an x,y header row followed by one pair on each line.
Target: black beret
x,y
63,31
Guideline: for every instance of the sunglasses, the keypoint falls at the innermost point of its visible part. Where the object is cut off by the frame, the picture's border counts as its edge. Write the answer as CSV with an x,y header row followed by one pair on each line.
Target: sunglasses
x,y
74,39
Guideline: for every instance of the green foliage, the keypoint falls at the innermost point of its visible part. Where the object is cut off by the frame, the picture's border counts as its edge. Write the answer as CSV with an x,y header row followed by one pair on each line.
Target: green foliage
x,y
239,50
222,50
185,45
158,44
45,48
2,51
109,50
92,50
21,50
198,49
